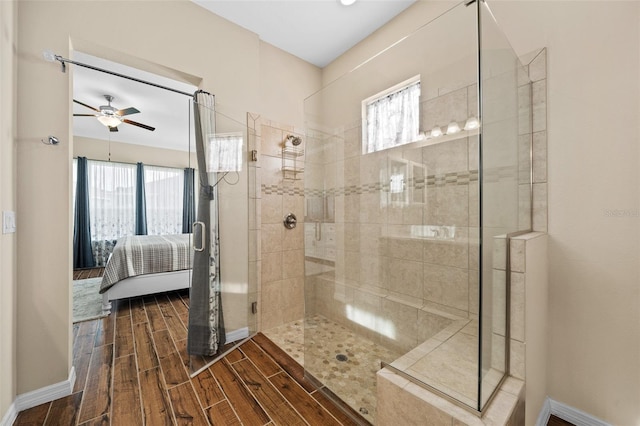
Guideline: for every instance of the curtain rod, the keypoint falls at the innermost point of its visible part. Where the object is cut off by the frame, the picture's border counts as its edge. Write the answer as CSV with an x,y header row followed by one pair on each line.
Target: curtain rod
x,y
50,56
133,164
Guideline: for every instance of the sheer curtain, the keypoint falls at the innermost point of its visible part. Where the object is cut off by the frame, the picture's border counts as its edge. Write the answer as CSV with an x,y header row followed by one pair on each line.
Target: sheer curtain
x,y
164,187
394,119
112,204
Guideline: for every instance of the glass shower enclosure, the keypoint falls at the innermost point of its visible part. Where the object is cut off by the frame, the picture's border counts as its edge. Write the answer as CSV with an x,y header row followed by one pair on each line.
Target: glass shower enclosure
x,y
220,314
406,231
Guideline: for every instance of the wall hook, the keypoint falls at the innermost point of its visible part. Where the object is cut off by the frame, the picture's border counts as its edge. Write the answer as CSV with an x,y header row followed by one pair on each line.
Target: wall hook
x,y
51,140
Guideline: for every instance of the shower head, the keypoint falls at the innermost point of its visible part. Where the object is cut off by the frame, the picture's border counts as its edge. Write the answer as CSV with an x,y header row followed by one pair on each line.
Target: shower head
x,y
294,140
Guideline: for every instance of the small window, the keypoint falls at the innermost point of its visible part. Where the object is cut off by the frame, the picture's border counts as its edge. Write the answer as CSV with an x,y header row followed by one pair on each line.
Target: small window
x,y
225,152
392,117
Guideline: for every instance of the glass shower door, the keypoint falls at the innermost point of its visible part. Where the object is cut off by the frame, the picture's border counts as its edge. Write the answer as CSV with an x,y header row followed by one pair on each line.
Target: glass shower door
x,y
206,326
218,297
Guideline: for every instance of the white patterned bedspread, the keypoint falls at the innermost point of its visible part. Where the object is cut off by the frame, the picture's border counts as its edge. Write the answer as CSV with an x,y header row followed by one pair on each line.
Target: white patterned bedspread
x,y
146,254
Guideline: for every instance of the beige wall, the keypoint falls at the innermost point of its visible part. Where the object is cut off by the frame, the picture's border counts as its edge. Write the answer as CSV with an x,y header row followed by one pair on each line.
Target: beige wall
x,y
281,100
8,63
593,65
224,57
405,23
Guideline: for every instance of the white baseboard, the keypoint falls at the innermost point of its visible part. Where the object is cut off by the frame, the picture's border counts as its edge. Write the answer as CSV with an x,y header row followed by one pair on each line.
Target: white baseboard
x,y
10,416
46,394
235,335
545,413
565,412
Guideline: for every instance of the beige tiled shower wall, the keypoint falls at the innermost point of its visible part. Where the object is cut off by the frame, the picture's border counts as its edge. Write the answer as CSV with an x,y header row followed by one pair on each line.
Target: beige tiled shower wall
x,y
536,69
276,254
538,74
533,146
406,261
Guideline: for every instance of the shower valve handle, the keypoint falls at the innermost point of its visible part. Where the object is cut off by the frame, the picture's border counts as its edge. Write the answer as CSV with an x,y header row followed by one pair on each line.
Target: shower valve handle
x,y
290,221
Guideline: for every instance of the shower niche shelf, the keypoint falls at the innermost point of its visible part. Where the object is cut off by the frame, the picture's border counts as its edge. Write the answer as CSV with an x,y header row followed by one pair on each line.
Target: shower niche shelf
x,y
292,163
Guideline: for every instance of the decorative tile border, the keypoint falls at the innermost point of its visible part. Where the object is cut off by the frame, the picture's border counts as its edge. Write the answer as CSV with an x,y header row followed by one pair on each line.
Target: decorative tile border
x,y
282,190
446,179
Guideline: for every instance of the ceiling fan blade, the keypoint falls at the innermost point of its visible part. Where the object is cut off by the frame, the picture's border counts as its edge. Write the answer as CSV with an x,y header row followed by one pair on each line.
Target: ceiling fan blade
x,y
85,105
144,126
113,129
127,111
84,115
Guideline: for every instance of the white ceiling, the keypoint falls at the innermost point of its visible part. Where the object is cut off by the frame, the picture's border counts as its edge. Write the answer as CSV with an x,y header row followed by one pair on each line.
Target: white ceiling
x,y
317,31
167,111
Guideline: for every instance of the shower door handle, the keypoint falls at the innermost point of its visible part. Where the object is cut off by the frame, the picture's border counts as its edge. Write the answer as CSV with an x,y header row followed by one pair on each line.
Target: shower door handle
x,y
203,229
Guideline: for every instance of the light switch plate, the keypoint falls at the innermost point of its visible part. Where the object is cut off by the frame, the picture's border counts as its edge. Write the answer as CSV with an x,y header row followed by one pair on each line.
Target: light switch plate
x,y
8,222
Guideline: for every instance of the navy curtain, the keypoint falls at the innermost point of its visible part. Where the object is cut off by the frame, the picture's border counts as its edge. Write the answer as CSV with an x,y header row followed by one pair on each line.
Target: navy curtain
x,y
141,204
82,254
188,201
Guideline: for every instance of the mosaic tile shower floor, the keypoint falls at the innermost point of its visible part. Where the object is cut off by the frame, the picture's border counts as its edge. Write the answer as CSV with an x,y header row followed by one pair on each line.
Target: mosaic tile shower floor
x,y
447,361
353,380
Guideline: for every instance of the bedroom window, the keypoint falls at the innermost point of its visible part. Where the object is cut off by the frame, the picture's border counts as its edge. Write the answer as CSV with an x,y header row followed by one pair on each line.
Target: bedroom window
x,y
391,118
112,203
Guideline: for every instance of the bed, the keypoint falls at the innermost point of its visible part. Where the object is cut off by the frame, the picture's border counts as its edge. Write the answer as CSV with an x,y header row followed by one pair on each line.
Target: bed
x,y
146,264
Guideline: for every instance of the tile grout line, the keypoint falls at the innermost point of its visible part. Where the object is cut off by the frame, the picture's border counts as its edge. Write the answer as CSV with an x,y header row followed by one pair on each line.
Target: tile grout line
x,y
200,405
48,412
164,380
275,387
226,398
84,388
141,402
296,382
248,389
235,373
113,366
184,369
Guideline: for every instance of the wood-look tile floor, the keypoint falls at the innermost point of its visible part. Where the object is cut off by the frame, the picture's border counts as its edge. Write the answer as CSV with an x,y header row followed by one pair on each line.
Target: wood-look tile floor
x,y
132,369
84,274
557,421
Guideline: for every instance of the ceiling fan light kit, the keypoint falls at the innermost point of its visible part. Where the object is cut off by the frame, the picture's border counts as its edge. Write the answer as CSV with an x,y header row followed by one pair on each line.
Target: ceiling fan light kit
x,y
109,120
111,117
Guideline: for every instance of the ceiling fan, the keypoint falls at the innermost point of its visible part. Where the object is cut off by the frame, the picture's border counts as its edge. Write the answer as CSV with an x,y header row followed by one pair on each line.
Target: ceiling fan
x,y
111,117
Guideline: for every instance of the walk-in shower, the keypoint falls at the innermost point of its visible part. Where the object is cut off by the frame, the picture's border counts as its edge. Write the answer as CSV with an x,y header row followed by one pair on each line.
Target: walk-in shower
x,y
419,160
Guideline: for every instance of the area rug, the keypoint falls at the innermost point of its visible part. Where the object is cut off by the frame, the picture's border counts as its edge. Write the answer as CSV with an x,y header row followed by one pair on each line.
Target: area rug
x,y
87,302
